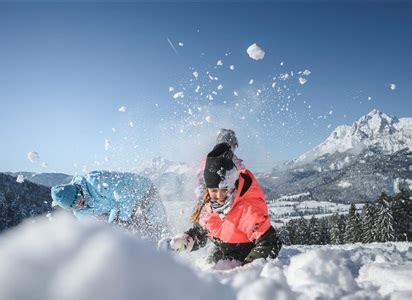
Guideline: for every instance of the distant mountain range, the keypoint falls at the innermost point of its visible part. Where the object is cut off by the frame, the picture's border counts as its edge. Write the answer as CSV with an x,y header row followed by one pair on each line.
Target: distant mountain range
x,y
46,179
19,201
354,164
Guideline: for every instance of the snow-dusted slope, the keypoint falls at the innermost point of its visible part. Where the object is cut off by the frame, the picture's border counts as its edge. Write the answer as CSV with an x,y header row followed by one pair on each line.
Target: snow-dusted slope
x,y
66,259
376,129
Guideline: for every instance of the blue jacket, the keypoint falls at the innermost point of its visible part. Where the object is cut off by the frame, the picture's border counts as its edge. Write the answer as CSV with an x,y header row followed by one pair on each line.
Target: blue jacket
x,y
115,194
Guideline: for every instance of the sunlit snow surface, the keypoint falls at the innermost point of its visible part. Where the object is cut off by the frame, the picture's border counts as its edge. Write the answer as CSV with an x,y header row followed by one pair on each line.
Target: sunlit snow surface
x,y
66,259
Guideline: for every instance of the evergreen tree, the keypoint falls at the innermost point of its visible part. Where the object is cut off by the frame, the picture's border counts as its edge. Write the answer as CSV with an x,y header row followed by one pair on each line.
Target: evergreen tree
x,y
291,227
384,220
324,237
338,229
353,230
284,235
313,231
302,237
401,206
369,232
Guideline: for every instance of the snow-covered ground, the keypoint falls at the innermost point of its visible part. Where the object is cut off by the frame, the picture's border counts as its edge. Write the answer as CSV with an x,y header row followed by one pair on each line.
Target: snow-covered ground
x,y
284,208
66,259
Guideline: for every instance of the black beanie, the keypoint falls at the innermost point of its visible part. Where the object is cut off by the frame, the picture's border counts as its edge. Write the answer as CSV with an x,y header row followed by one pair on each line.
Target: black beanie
x,y
218,161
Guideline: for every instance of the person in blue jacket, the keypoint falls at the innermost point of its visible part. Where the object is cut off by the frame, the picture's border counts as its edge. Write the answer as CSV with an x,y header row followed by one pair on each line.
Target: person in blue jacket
x,y
126,199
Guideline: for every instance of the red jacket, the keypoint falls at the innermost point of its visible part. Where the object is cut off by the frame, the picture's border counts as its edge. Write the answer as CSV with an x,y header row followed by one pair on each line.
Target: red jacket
x,y
247,219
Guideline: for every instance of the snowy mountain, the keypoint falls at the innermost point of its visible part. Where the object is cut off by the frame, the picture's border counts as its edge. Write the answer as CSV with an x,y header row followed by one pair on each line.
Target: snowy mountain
x,y
354,164
376,129
46,179
19,201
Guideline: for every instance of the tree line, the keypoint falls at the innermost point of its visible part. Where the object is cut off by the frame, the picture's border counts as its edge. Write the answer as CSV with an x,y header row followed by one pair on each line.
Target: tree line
x,y
389,218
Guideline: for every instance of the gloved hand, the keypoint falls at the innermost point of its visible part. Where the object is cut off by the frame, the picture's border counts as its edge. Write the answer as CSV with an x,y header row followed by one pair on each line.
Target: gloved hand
x,y
164,244
182,242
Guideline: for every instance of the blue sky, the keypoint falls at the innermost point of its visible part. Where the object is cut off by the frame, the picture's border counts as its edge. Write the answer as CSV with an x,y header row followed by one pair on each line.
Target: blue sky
x,y
66,69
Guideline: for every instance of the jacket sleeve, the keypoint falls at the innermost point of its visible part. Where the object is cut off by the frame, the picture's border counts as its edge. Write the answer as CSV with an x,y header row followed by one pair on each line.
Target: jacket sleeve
x,y
268,245
254,221
199,235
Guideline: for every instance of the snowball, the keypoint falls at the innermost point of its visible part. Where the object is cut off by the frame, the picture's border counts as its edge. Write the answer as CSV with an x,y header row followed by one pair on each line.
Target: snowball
x,y
44,165
123,109
20,178
255,52
33,156
131,124
181,44
281,63
220,87
208,119
369,98
302,80
219,63
306,72
251,81
197,89
171,89
196,74
178,95
235,93
232,67
393,86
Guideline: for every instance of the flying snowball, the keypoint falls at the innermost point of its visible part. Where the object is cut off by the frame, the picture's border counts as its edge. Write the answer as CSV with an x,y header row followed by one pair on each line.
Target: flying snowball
x,y
33,156
255,52
181,44
131,124
302,80
219,63
20,179
123,109
196,74
232,67
393,86
44,165
220,87
179,95
209,119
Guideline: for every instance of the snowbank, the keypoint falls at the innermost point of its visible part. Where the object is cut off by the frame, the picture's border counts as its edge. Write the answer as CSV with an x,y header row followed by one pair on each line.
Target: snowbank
x,y
66,259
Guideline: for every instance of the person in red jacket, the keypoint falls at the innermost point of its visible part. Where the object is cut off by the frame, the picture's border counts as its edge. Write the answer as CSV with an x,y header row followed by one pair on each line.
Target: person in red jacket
x,y
237,218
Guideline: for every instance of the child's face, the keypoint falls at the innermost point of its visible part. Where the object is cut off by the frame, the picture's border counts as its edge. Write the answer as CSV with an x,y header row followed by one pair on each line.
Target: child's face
x,y
218,195
82,202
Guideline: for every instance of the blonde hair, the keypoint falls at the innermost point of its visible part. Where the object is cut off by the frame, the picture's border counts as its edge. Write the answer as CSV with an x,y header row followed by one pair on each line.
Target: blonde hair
x,y
194,218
